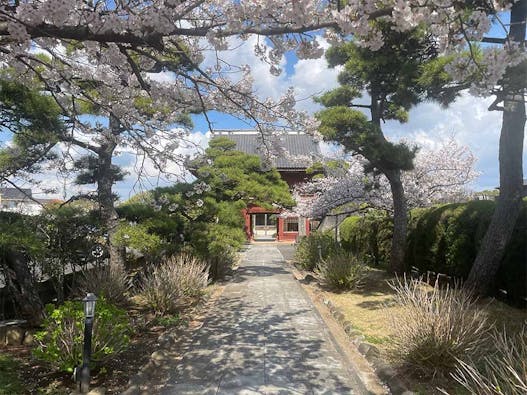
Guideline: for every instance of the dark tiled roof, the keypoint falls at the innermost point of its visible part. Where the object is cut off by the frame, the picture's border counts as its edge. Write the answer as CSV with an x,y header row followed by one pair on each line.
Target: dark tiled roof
x,y
295,144
15,194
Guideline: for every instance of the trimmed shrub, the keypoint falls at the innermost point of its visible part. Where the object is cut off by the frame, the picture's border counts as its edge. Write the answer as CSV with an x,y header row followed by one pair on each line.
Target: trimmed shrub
x,y
314,247
172,284
341,271
512,275
368,237
503,372
433,328
111,282
61,341
221,263
446,238
443,239
139,237
217,244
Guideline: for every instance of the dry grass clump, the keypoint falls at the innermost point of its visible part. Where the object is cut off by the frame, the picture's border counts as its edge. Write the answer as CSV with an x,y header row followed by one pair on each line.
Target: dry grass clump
x,y
502,372
434,328
341,271
173,283
111,282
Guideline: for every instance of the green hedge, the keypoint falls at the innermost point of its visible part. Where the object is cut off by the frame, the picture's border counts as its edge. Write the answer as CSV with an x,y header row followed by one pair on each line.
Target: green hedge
x,y
307,254
443,239
368,237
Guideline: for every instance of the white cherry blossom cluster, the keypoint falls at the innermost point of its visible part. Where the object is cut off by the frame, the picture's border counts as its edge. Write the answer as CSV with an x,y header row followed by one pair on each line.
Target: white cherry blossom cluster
x,y
440,175
104,26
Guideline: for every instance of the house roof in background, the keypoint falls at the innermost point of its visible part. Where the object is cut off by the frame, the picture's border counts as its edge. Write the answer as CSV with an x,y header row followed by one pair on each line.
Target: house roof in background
x,y
299,145
15,194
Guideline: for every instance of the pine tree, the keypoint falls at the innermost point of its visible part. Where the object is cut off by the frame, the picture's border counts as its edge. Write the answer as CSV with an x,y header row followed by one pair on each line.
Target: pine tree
x,y
390,77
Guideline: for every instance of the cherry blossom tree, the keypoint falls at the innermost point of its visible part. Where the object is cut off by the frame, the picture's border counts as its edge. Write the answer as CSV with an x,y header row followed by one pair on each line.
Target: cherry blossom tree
x,y
123,43
440,175
134,73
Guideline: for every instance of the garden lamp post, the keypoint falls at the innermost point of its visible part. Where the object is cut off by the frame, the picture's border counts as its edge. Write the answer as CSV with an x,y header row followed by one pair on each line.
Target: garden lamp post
x,y
89,313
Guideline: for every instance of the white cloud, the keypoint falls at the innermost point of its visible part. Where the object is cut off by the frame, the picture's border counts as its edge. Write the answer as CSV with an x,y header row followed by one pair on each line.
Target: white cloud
x,y
309,76
144,175
469,120
242,53
163,76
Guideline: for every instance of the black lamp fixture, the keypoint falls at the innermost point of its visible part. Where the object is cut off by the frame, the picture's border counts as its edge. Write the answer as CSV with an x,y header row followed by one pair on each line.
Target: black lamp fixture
x,y
82,375
89,305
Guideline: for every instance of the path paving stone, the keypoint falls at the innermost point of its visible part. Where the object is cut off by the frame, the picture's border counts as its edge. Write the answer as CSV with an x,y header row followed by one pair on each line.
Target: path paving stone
x,y
263,336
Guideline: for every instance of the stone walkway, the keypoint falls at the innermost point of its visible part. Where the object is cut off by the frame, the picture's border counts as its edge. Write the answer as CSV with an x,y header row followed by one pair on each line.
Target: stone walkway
x,y
263,336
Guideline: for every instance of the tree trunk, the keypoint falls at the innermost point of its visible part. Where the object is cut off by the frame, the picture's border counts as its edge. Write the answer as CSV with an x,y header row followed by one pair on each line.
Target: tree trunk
x,y
499,232
22,288
105,181
398,250
397,263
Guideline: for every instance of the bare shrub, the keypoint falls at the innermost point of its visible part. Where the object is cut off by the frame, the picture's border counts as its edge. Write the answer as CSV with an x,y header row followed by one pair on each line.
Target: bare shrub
x,y
341,270
173,283
502,372
433,328
111,282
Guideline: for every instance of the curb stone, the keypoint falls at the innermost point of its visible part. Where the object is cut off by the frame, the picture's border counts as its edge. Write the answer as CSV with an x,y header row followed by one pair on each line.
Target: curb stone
x,y
132,390
383,370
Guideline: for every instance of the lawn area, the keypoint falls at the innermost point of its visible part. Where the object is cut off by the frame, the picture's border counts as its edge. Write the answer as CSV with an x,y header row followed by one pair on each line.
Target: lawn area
x,y
369,310
366,308
9,381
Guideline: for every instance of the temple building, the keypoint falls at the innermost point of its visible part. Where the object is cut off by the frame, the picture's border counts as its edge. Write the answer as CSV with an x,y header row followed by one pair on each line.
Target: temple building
x,y
293,154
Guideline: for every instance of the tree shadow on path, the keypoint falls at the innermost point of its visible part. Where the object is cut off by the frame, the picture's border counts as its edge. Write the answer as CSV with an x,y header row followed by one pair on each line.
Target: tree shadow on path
x,y
252,342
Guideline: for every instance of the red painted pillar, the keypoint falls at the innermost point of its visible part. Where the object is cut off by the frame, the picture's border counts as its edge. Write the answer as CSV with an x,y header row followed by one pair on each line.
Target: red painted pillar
x,y
280,229
247,227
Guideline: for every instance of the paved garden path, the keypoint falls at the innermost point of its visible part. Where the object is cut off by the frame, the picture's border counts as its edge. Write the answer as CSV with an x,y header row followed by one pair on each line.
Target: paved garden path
x,y
263,336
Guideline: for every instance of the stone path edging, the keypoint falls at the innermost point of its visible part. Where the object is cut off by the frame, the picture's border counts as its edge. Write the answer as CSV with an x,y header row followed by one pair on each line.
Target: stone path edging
x,y
166,341
383,370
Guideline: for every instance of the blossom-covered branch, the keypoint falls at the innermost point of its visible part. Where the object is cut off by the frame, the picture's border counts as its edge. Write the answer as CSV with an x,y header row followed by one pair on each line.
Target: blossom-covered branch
x,y
440,175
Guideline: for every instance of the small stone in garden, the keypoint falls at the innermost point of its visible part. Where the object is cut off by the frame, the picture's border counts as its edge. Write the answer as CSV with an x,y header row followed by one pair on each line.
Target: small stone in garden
x,y
14,336
28,339
353,333
158,356
165,338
